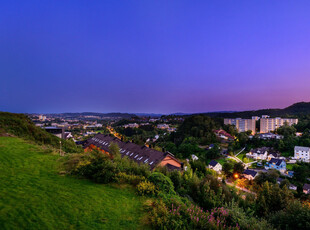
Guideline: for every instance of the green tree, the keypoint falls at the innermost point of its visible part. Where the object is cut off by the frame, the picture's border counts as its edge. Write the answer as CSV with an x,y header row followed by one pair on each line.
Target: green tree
x,y
227,167
294,216
271,198
238,167
114,149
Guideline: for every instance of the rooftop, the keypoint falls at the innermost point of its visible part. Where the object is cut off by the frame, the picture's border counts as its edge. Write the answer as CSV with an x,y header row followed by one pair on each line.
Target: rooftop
x,y
140,154
250,172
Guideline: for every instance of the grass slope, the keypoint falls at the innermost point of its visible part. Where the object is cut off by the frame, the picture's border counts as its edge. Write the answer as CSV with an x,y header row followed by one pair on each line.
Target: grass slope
x,y
34,196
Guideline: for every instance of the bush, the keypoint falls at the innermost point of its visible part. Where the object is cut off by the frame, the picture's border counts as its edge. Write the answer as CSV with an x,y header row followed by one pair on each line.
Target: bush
x,y
246,220
130,179
163,183
146,188
181,216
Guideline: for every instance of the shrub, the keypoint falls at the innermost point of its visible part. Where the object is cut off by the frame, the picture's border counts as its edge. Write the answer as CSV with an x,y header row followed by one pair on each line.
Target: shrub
x,y
129,178
176,179
180,216
246,220
146,188
163,183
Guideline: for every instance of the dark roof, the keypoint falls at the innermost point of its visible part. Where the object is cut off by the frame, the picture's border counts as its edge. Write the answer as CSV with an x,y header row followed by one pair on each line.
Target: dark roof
x,y
213,163
80,142
306,187
260,150
132,151
275,154
250,172
276,161
280,180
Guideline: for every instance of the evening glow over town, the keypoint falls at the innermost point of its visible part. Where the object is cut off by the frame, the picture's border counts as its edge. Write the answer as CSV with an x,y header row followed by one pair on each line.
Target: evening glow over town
x,y
153,56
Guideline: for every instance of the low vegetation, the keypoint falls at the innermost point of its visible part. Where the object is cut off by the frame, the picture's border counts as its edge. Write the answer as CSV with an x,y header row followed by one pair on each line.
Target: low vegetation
x,y
35,196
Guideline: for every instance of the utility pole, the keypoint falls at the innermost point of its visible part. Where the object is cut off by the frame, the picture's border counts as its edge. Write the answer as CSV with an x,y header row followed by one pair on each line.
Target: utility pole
x,y
60,148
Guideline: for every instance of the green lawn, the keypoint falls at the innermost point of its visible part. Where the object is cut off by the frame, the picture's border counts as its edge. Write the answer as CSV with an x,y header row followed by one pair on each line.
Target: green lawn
x,y
289,167
242,157
34,196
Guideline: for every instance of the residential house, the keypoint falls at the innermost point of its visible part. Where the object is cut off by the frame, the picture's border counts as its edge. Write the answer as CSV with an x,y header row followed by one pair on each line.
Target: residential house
x,y
194,157
290,186
263,153
223,135
277,164
302,154
279,180
268,136
274,154
139,154
249,174
258,154
215,166
306,188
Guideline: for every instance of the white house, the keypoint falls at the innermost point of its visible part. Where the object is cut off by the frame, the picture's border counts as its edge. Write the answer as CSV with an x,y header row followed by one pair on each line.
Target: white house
x,y
194,157
302,153
258,154
249,174
215,166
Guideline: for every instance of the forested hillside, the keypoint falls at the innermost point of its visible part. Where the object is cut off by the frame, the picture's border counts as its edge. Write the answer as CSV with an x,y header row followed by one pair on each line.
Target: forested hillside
x,y
21,126
297,109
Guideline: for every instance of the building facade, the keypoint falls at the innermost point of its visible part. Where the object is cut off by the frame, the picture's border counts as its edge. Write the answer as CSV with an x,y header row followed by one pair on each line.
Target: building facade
x,y
215,166
270,124
277,164
242,125
302,153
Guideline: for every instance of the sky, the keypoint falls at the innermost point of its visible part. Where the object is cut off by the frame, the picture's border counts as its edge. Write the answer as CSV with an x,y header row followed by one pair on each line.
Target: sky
x,y
153,56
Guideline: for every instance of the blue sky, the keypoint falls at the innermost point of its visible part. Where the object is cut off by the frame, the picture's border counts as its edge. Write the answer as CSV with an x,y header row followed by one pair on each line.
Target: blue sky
x,y
153,56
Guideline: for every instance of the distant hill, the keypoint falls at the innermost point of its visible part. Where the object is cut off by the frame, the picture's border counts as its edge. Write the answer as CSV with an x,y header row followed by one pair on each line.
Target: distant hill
x,y
149,114
297,109
101,115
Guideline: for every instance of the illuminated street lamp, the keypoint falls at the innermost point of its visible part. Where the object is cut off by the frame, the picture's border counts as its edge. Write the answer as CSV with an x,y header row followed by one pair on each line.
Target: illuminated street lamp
x,y
236,175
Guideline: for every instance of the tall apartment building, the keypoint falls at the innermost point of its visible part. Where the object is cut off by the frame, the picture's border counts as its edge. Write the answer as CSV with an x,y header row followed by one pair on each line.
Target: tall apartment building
x,y
242,125
270,124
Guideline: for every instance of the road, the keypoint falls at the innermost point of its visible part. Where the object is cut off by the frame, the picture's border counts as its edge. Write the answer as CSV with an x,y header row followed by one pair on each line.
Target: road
x,y
240,188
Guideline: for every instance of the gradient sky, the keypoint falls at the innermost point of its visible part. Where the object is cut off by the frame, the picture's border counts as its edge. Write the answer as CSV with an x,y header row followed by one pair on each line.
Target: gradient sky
x,y
153,56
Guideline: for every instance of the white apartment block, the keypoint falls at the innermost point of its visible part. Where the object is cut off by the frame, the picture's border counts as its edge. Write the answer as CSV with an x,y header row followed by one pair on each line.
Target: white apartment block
x,y
242,125
270,124
302,153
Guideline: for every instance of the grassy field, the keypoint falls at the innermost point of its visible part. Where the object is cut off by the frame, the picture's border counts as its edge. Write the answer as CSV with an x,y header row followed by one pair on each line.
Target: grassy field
x,y
34,196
